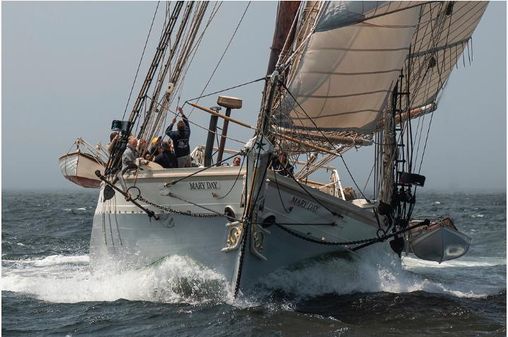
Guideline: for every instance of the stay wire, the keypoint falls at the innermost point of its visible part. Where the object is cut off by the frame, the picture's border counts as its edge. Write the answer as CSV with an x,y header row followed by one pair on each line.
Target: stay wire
x,y
141,59
225,51
226,89
207,129
280,196
234,183
327,139
193,52
313,197
205,168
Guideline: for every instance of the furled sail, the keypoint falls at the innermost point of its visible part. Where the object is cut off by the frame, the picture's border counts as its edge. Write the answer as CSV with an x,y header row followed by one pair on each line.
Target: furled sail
x,y
356,53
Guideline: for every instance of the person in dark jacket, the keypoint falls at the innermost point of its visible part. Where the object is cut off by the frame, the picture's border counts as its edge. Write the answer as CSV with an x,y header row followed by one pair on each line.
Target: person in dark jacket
x,y
282,166
180,139
166,158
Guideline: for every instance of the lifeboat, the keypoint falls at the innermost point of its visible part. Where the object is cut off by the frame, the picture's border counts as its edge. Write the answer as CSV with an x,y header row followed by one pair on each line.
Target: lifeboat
x,y
439,241
79,166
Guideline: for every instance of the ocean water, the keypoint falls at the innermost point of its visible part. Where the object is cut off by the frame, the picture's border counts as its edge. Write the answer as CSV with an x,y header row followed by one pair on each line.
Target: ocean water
x,y
48,289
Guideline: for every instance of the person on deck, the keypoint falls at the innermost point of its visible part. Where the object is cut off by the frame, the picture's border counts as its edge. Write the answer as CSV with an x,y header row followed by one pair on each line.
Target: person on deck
x,y
166,158
142,146
130,154
113,139
154,149
282,165
180,139
237,161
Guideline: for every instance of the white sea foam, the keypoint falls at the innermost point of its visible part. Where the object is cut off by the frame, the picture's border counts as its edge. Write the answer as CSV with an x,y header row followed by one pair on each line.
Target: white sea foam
x,y
368,272
74,209
413,263
372,271
55,260
67,279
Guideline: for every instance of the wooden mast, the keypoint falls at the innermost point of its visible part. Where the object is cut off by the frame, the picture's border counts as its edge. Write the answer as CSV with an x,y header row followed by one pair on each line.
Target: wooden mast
x,y
286,13
285,16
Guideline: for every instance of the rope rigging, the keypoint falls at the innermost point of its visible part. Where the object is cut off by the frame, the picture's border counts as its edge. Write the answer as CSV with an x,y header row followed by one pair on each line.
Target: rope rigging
x,y
140,60
183,56
326,138
114,162
224,52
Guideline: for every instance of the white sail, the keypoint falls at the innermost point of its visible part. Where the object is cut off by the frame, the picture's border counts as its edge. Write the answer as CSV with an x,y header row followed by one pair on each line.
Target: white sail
x,y
348,69
353,59
444,31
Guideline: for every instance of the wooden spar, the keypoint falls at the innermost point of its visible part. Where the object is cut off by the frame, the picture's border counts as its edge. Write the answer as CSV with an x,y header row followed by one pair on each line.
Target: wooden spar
x,y
211,112
416,112
285,17
412,114
347,140
312,146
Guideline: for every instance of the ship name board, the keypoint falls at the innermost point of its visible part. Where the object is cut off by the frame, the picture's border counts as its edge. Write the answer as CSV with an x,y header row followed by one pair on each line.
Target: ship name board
x,y
204,185
309,206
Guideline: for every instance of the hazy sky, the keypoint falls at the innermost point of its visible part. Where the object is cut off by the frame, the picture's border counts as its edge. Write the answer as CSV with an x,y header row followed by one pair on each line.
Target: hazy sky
x,y
67,69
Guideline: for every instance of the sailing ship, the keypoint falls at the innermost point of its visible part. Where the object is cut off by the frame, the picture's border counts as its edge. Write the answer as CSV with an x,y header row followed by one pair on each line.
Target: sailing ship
x,y
340,75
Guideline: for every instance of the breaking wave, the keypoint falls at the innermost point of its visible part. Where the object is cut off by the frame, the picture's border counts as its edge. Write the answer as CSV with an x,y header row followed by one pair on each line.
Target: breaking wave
x,y
68,279
176,279
374,270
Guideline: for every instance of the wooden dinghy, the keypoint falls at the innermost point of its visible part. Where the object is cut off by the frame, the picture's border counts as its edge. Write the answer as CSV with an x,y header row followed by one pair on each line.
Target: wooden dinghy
x,y
80,168
80,165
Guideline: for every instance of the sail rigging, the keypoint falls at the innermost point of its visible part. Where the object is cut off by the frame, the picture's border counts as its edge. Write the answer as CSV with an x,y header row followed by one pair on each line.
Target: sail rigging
x,y
341,75
444,31
170,70
347,57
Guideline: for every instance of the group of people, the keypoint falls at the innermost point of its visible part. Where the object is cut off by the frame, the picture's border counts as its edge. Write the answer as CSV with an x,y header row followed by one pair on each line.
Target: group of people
x,y
175,152
172,153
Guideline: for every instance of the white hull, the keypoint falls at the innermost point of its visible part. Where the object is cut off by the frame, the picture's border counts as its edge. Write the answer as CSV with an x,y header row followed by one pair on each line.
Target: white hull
x,y
122,233
80,168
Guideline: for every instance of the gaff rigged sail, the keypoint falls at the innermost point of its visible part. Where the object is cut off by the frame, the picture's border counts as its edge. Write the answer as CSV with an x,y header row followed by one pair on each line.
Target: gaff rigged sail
x,y
357,52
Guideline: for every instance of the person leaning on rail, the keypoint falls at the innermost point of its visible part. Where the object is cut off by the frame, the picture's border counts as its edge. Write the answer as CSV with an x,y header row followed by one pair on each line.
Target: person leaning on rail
x,y
180,139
